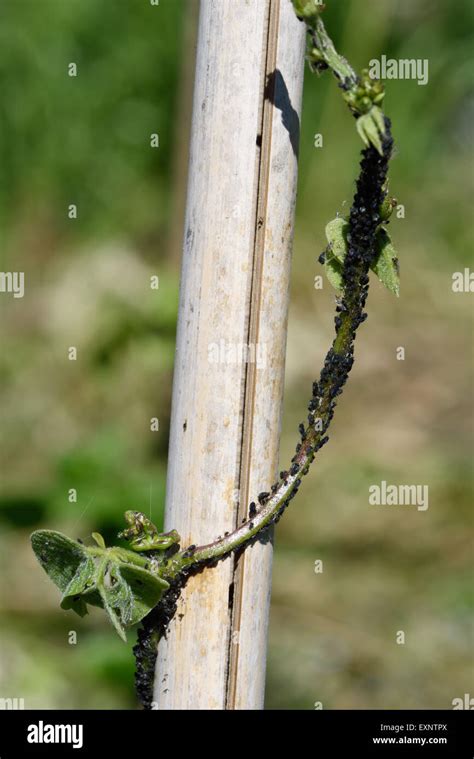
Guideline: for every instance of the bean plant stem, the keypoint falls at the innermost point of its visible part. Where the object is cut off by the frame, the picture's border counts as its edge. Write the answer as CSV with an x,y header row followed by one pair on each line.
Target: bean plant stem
x,y
364,221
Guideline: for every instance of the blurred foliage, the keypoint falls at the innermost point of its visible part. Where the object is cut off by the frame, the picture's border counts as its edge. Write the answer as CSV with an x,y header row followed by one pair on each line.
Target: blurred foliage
x,y
126,54
85,425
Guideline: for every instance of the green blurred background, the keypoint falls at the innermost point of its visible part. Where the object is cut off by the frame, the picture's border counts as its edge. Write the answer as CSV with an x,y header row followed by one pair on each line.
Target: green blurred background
x,y
82,424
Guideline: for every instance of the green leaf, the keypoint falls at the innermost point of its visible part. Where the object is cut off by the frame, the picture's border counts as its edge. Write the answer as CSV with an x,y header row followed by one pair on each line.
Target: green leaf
x,y
368,129
129,593
146,589
378,118
386,264
115,595
360,126
333,270
336,234
104,577
59,556
307,9
83,582
99,539
114,616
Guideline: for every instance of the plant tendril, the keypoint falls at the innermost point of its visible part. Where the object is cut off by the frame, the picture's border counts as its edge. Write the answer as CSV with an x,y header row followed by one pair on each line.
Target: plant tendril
x,y
365,219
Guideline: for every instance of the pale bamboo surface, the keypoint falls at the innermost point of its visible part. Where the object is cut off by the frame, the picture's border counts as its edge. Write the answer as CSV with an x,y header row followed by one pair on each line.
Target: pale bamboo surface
x,y
226,415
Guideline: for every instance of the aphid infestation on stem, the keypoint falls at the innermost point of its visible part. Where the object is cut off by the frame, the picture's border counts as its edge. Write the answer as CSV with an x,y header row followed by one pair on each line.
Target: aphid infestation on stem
x,y
142,582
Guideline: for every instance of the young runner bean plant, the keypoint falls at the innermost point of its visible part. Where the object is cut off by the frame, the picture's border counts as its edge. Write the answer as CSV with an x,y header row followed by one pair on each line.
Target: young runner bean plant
x,y
142,582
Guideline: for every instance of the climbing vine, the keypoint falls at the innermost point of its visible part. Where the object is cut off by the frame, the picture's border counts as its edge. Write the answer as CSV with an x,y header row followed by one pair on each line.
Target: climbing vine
x,y
141,583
